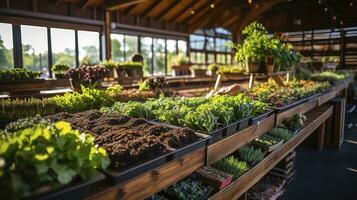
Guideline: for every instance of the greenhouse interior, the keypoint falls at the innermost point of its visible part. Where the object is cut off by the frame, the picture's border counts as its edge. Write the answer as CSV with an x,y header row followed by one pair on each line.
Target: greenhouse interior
x,y
178,99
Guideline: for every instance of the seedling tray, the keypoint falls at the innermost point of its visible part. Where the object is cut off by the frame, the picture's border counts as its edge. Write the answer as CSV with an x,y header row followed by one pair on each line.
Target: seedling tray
x,y
216,135
140,168
236,126
260,117
78,189
289,106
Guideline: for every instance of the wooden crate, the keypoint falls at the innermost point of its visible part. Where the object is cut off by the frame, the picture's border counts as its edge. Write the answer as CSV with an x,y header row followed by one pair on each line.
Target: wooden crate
x,y
155,180
246,181
228,145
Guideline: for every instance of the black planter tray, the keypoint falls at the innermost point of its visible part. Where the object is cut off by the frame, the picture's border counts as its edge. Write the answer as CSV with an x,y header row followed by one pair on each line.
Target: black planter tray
x,y
260,117
234,127
78,189
29,81
152,163
216,135
314,96
289,106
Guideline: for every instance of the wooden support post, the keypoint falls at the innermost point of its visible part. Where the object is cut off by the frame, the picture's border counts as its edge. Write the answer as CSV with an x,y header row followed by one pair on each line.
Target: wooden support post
x,y
335,133
321,136
251,81
287,77
218,81
107,28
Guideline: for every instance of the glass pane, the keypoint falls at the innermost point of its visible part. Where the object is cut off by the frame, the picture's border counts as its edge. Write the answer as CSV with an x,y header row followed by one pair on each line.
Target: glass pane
x,y
159,56
117,41
6,46
229,59
35,48
171,54
182,47
131,46
220,44
221,58
197,41
201,58
146,52
210,43
193,57
63,46
210,58
88,46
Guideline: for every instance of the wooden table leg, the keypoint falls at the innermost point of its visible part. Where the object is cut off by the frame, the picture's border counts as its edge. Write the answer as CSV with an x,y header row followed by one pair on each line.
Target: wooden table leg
x,y
321,136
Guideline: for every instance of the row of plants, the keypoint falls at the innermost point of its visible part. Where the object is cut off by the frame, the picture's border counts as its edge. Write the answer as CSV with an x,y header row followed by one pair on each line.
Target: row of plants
x,y
199,113
18,74
41,157
333,77
279,96
123,69
259,53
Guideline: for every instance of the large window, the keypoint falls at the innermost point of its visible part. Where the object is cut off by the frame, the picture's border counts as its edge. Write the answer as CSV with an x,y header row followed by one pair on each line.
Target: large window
x,y
117,41
182,47
63,46
131,46
171,54
159,56
197,41
6,46
35,48
146,52
88,47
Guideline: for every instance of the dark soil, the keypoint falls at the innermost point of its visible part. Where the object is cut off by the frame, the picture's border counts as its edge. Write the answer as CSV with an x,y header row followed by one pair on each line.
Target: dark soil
x,y
128,140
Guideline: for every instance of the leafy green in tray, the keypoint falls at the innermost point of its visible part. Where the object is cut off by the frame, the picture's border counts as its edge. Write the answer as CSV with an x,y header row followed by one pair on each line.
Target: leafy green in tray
x,y
40,157
250,154
267,141
189,189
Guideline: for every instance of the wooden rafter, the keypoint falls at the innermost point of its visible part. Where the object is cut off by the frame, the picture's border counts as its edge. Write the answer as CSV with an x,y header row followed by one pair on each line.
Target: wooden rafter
x,y
254,13
129,9
150,8
181,12
117,4
84,3
167,10
199,12
210,17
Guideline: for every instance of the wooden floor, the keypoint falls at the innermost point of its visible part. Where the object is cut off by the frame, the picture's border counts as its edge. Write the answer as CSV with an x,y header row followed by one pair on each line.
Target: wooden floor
x,y
330,175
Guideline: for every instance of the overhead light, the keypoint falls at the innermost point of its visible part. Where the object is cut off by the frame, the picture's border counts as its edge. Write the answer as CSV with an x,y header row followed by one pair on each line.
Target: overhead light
x,y
334,17
351,3
320,2
212,5
257,6
341,22
326,9
192,12
250,1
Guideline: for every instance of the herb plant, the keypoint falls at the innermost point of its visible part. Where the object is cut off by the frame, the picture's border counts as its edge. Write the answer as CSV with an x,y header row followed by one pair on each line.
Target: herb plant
x,y
40,157
266,141
250,154
18,74
189,189
282,133
232,166
60,68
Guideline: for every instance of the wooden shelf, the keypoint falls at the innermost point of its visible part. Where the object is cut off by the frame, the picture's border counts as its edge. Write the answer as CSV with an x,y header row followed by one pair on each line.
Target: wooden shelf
x,y
155,180
230,144
241,185
301,108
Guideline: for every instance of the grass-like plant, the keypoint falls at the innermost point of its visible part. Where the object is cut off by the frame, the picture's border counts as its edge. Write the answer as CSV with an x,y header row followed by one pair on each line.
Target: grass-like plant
x,y
232,166
250,154
282,133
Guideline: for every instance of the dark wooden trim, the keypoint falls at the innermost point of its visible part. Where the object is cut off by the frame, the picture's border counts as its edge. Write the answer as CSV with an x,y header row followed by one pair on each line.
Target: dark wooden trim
x,y
49,45
16,35
117,4
49,17
107,28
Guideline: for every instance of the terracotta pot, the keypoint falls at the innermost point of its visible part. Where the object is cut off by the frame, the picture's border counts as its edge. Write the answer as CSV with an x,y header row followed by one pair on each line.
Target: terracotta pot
x,y
253,67
135,72
269,63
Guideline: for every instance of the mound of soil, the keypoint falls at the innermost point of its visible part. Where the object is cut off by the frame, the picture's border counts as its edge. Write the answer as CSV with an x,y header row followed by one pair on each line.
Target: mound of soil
x,y
128,140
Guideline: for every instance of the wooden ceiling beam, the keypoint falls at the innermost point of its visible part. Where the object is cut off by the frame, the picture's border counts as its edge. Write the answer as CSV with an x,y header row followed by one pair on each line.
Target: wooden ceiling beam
x,y
129,9
150,8
203,9
84,3
117,4
216,12
167,10
181,12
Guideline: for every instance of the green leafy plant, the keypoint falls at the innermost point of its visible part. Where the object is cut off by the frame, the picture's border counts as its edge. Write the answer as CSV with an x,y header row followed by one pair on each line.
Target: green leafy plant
x,y
333,77
130,65
114,90
109,64
250,154
281,133
60,68
189,189
131,108
90,98
232,166
23,123
13,109
18,74
266,141
40,157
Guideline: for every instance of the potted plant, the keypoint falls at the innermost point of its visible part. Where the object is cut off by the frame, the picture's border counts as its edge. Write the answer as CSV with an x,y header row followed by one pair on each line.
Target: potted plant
x,y
133,69
110,66
198,70
180,65
214,68
253,49
86,75
60,70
